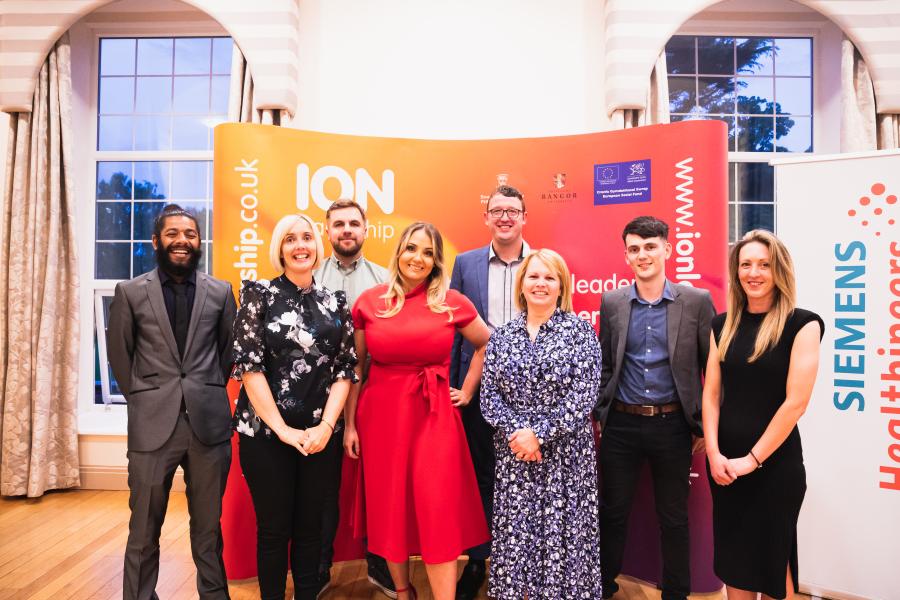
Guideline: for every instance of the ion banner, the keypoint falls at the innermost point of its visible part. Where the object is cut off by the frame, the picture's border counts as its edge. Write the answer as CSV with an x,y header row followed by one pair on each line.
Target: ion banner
x,y
838,216
579,193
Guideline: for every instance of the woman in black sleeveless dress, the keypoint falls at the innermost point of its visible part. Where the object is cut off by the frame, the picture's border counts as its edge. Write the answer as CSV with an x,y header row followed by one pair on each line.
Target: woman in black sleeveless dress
x,y
752,400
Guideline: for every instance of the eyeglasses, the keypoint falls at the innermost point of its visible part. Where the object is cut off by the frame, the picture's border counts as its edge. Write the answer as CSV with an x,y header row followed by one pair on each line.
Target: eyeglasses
x,y
512,213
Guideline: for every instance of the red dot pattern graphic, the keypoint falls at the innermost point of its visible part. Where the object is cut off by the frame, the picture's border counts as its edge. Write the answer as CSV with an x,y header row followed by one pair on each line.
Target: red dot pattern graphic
x,y
869,211
881,351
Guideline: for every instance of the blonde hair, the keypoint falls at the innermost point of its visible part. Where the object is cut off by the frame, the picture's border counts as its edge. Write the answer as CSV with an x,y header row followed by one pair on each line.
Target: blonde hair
x,y
282,228
782,306
555,263
438,284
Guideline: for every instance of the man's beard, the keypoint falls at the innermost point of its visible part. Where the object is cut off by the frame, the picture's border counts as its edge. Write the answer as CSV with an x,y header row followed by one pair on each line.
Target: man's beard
x,y
176,270
347,253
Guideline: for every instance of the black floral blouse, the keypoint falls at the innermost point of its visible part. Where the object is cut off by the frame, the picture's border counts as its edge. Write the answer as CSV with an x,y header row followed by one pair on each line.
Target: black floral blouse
x,y
302,339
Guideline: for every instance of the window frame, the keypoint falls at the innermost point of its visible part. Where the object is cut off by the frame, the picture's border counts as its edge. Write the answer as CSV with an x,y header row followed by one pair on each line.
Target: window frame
x,y
107,419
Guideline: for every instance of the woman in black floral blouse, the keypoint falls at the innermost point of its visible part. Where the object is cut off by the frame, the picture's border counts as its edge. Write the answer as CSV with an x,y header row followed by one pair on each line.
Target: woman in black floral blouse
x,y
540,382
294,354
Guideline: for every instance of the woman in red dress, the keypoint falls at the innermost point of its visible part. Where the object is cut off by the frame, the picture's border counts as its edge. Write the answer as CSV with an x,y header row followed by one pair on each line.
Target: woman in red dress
x,y
420,490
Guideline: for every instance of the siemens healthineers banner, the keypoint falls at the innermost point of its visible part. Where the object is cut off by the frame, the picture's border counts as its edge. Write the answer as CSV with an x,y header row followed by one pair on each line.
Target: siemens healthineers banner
x,y
580,191
838,216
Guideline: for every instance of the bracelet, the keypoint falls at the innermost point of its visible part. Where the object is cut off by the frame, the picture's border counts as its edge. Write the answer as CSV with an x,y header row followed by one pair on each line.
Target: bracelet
x,y
758,464
329,424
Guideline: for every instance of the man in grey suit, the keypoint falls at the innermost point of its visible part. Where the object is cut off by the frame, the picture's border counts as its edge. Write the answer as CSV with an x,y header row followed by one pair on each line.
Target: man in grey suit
x,y
169,339
654,336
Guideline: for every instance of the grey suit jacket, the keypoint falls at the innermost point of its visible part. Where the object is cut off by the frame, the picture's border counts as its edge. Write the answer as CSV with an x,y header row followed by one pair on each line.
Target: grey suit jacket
x,y
154,378
688,324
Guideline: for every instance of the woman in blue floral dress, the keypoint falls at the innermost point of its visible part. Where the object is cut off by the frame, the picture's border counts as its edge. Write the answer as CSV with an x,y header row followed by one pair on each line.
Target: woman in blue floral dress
x,y
541,376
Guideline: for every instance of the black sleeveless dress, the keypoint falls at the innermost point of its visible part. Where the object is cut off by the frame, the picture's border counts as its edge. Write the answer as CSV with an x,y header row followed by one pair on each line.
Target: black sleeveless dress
x,y
755,518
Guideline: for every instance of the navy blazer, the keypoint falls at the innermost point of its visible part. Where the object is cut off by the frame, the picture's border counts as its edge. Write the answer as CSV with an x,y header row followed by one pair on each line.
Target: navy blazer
x,y
470,278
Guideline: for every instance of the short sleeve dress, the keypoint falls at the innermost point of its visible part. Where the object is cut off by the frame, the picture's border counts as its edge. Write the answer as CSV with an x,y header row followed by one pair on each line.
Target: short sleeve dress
x,y
755,518
420,493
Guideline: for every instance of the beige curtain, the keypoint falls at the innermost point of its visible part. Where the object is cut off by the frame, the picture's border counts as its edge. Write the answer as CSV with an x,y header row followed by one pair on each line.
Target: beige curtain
x,y
862,128
656,109
39,293
241,108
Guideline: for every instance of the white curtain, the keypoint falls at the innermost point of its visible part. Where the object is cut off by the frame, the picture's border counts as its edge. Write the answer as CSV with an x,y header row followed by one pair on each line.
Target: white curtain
x,y
656,109
39,292
241,108
862,128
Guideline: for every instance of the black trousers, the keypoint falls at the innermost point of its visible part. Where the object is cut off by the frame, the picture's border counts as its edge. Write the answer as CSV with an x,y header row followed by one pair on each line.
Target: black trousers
x,y
288,491
665,442
334,456
150,477
480,436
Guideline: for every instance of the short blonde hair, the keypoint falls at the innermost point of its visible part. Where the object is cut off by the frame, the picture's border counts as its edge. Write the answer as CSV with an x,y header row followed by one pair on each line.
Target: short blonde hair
x,y
284,225
555,263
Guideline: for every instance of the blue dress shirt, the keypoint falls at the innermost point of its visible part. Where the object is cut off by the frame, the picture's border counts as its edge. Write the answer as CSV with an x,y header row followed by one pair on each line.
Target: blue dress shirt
x,y
646,374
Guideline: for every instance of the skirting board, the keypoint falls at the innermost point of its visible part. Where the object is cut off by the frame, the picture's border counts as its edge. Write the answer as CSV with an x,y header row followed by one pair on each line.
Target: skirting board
x,y
116,478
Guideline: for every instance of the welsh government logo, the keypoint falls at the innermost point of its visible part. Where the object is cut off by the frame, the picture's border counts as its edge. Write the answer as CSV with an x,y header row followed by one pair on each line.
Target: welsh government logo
x,y
636,169
873,207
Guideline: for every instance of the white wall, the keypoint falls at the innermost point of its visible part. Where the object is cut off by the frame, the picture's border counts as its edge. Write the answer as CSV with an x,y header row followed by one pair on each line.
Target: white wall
x,y
466,69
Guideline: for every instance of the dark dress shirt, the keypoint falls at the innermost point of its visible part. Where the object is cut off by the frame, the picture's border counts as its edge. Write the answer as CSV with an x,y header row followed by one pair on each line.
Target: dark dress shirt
x,y
166,281
646,373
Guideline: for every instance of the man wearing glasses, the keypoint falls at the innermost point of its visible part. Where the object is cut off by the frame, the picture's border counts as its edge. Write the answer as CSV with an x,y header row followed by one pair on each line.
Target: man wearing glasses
x,y
486,276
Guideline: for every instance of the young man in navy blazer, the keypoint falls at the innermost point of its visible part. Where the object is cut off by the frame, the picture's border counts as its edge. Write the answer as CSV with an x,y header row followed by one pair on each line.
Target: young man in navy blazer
x,y
486,276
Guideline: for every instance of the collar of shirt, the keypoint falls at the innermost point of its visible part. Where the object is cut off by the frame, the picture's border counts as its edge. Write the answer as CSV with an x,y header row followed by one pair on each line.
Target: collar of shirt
x,y
165,278
666,295
303,290
525,250
337,264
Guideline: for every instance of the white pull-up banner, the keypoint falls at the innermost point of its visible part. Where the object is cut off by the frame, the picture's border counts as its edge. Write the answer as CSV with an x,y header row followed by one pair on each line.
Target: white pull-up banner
x,y
838,216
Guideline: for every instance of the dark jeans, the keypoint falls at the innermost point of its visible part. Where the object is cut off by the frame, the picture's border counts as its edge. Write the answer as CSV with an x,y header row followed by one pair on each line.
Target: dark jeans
x,y
665,441
288,491
480,436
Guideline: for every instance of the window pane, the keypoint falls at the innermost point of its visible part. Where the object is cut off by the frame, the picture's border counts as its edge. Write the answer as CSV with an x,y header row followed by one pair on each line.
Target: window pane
x,y
113,221
201,213
114,181
192,95
755,216
115,133
151,180
682,94
219,104
754,56
755,95
716,94
117,56
221,60
732,222
755,134
112,260
116,95
729,121
732,181
189,180
755,182
794,134
680,57
192,56
715,55
145,214
793,56
154,94
190,133
154,56
794,95
144,258
153,133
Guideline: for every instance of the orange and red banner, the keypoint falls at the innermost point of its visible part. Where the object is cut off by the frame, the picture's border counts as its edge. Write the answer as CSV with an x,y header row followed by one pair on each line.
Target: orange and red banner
x,y
579,190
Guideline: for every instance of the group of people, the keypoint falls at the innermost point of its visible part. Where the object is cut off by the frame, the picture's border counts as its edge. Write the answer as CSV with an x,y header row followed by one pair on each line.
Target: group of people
x,y
471,402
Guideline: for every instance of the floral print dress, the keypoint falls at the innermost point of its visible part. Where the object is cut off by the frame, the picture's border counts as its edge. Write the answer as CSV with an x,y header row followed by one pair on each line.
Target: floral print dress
x,y
545,531
302,339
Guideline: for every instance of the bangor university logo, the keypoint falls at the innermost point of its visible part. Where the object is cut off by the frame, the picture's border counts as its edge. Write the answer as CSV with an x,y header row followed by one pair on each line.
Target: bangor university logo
x,y
559,180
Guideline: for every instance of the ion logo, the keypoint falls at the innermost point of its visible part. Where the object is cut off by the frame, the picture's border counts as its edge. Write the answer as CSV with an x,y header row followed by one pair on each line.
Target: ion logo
x,y
360,187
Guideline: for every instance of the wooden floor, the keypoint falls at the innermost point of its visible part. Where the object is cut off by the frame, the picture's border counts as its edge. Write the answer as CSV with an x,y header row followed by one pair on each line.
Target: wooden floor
x,y
69,545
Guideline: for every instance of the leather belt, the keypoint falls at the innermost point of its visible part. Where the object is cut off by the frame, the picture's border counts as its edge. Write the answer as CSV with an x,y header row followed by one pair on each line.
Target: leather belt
x,y
646,410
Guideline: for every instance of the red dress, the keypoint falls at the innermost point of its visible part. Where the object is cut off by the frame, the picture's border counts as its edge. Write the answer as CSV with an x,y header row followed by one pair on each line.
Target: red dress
x,y
417,474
